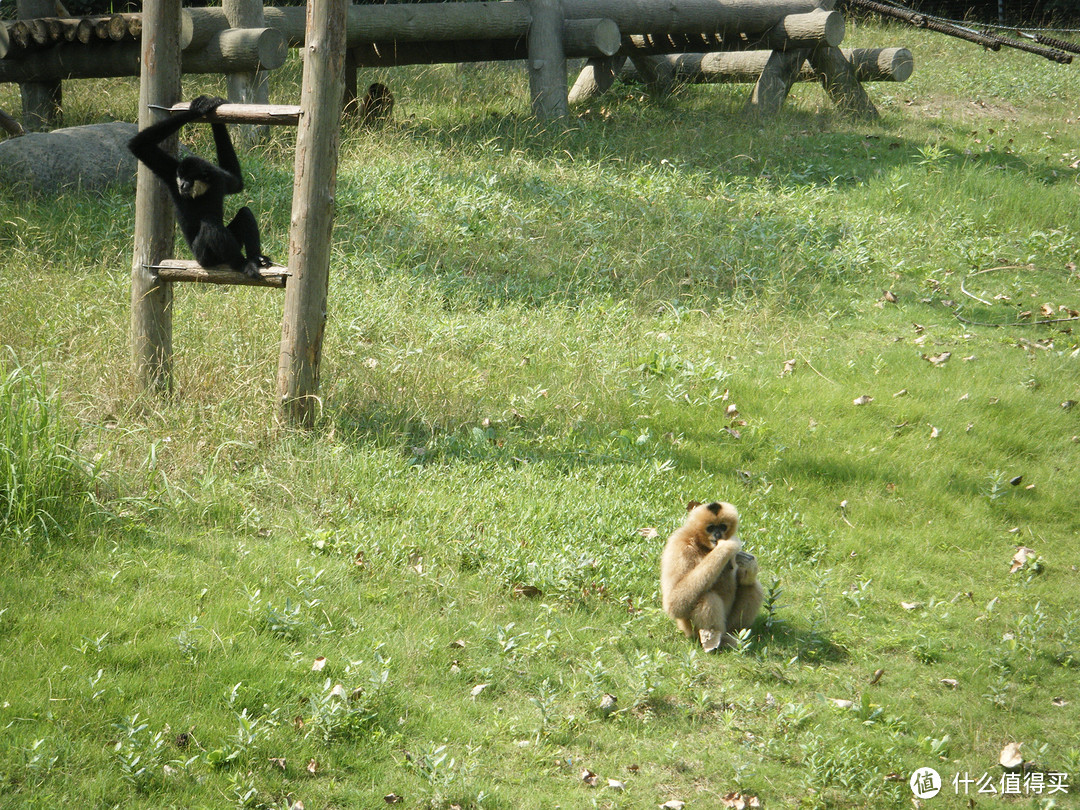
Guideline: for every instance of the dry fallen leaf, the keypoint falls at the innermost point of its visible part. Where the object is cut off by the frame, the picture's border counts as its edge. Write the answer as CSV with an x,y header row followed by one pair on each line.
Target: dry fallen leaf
x,y
952,683
789,366
1059,702
1047,310
278,761
1019,560
391,798
863,400
318,664
1010,758
457,644
476,690
312,766
616,785
934,432
673,804
731,411
901,393
527,591
888,296
876,676
589,778
840,703
938,359
648,532
910,605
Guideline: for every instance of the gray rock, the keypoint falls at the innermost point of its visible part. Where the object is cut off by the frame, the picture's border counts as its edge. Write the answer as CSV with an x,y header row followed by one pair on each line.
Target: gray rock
x,y
89,157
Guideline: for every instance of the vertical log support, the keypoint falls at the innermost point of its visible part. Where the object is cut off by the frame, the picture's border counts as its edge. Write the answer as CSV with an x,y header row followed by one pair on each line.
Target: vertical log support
x,y
41,100
151,299
547,61
841,83
317,142
596,78
253,87
659,76
779,74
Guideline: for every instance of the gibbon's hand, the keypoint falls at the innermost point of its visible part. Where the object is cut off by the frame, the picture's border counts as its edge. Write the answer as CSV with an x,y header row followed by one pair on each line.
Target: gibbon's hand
x,y
731,546
747,571
204,105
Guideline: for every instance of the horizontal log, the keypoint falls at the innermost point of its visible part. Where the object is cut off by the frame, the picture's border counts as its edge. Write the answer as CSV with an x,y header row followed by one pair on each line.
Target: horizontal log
x,y
188,270
232,51
396,54
793,32
581,39
23,35
286,114
510,19
871,65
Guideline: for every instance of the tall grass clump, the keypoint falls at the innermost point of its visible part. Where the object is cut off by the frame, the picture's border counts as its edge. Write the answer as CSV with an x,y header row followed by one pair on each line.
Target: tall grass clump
x,y
43,485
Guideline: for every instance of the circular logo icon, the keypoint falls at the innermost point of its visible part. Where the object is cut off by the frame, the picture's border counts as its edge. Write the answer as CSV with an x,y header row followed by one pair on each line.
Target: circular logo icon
x,y
925,783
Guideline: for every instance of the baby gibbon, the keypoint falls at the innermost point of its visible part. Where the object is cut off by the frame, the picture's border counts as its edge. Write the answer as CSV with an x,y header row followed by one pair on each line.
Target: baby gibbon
x,y
708,584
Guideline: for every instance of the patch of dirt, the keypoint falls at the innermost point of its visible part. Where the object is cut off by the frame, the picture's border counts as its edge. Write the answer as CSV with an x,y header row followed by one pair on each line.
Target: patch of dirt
x,y
966,109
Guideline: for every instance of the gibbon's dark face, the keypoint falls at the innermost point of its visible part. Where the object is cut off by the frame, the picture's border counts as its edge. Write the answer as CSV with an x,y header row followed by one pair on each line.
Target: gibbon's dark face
x,y
192,177
717,521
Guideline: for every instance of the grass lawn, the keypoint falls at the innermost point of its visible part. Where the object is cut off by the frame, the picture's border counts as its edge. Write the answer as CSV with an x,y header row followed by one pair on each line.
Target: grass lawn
x,y
541,344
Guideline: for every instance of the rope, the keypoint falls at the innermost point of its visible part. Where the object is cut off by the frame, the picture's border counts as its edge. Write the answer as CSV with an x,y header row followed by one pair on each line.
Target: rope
x,y
995,26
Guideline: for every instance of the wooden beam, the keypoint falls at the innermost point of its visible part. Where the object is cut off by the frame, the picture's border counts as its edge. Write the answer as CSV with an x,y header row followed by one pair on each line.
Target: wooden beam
x,y
228,51
317,142
277,114
173,270
547,61
510,19
42,96
248,86
151,298
744,67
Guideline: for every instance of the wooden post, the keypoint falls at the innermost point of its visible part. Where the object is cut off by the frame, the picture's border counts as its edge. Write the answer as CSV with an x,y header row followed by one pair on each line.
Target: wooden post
x,y
840,82
772,88
596,78
312,211
547,61
247,87
151,299
41,100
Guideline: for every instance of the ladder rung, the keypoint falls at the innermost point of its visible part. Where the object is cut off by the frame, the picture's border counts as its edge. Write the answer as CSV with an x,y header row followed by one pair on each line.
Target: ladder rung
x,y
187,270
285,114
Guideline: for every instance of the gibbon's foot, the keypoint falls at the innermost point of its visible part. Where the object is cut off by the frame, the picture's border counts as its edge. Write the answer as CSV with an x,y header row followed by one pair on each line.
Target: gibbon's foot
x,y
710,639
251,269
264,261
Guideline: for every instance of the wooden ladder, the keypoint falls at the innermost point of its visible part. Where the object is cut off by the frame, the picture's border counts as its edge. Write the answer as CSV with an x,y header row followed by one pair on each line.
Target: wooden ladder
x,y
181,270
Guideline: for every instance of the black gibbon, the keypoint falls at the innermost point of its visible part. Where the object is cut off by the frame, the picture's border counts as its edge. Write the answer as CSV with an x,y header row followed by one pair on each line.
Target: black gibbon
x,y
198,189
377,106
708,584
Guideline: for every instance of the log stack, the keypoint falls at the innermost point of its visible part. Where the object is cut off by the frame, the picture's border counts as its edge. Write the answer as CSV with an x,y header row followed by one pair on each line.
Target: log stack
x,y
776,42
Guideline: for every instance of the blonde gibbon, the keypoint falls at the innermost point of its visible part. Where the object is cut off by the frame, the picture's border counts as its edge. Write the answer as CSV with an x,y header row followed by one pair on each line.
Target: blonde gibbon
x,y
708,584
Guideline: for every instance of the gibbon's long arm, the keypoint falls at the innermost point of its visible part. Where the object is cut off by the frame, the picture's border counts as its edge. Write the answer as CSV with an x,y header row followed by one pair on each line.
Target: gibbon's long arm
x,y
231,176
144,145
688,591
